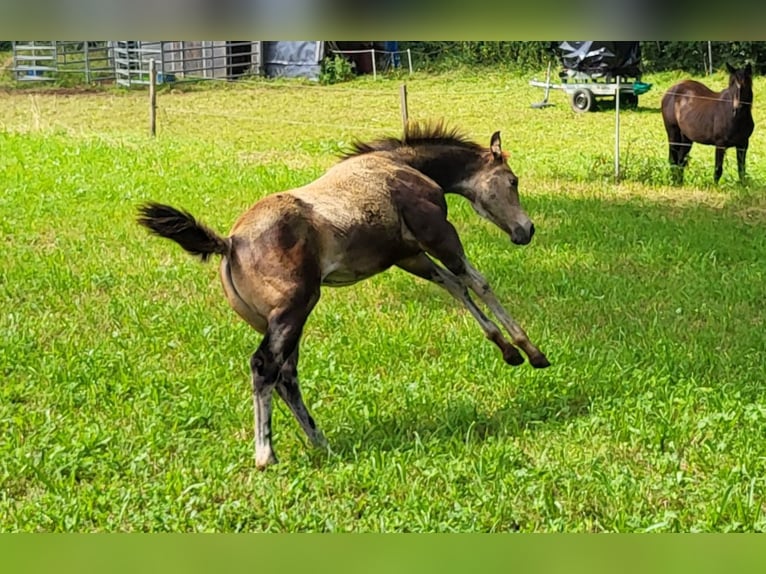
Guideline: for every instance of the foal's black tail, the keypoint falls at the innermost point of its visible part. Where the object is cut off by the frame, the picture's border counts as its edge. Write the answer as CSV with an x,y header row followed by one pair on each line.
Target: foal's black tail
x,y
181,227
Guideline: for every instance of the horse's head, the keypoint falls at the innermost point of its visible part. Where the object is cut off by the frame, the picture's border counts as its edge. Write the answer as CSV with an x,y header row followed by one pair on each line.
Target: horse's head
x,y
494,193
741,85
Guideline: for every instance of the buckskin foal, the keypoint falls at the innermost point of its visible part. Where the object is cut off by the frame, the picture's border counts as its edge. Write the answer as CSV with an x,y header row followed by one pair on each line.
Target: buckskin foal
x,y
382,205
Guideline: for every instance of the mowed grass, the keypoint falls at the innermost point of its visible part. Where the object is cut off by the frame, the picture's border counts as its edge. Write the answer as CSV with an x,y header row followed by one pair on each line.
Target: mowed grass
x,y
125,399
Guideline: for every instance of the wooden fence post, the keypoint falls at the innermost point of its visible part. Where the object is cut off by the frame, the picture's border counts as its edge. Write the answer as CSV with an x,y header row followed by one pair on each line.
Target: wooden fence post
x,y
403,103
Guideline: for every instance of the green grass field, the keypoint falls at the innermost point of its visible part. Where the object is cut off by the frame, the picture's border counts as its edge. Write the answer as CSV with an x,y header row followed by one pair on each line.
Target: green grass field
x,y
125,399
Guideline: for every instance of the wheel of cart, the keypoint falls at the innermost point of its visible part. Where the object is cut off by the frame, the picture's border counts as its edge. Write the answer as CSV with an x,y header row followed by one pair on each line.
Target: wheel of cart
x,y
582,100
629,99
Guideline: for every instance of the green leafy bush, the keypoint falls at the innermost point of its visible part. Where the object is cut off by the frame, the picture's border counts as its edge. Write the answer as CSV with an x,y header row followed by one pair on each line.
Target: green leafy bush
x,y
336,69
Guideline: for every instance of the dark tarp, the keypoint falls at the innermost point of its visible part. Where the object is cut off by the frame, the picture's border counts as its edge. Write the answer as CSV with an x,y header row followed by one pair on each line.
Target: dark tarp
x,y
602,58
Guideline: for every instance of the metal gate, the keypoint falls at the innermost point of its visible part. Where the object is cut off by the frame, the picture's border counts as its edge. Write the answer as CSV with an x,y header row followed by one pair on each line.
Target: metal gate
x,y
126,62
34,61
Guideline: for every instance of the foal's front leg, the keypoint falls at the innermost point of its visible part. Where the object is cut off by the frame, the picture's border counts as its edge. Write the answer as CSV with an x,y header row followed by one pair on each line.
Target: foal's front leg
x,y
427,221
425,268
480,286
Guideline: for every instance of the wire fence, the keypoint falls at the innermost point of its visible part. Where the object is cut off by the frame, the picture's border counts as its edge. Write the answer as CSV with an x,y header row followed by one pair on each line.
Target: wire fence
x,y
351,111
383,103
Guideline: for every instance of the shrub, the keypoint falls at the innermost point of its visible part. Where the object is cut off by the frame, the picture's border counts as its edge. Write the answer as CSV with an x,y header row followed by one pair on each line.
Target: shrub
x,y
336,69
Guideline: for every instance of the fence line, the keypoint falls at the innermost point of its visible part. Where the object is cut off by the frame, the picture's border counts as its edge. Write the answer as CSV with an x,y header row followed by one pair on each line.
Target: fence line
x,y
377,92
257,85
456,98
373,124
261,119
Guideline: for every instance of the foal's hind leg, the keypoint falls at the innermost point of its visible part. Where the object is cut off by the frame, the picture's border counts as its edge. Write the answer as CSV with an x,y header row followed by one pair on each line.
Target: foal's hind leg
x,y
288,389
424,267
267,365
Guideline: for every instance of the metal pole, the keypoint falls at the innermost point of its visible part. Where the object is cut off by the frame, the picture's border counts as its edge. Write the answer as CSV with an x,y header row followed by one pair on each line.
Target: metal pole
x,y
710,55
617,132
403,102
87,62
409,60
374,67
153,97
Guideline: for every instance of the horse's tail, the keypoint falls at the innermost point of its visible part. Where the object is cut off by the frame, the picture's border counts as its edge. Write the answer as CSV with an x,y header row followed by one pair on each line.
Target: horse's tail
x,y
181,227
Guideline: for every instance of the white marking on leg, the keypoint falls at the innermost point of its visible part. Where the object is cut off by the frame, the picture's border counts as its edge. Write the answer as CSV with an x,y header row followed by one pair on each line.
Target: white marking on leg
x,y
264,454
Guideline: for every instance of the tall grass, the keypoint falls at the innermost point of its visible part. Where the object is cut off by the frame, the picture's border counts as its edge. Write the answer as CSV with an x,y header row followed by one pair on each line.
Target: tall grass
x,y
125,403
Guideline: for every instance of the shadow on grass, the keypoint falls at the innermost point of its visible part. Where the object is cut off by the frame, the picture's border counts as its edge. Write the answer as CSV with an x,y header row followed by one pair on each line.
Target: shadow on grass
x,y
457,422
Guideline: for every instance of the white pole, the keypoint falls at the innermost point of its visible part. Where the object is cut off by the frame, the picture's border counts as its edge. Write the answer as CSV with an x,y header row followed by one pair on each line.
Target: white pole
x,y
617,132
409,60
710,55
153,97
374,67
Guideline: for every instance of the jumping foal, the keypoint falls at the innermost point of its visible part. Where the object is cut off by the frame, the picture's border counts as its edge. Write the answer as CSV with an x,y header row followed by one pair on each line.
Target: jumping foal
x,y
383,205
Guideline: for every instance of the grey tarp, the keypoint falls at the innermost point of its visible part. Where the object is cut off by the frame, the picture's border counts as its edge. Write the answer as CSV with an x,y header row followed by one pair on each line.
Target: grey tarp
x,y
292,59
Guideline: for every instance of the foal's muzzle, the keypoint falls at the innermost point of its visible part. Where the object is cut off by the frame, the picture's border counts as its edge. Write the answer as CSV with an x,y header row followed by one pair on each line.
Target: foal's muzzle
x,y
521,236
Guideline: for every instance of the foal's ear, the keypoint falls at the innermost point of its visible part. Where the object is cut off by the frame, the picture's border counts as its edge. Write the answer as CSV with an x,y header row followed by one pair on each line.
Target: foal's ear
x,y
748,70
494,145
731,69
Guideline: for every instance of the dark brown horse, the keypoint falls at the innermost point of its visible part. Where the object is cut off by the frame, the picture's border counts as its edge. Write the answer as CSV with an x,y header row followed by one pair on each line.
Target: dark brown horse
x,y
382,205
692,112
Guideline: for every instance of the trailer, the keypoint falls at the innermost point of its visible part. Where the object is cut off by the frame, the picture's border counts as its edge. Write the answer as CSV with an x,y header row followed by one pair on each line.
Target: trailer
x,y
596,70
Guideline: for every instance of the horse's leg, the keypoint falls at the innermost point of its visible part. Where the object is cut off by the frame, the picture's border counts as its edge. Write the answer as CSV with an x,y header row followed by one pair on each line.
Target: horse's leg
x,y
720,152
267,364
675,152
425,268
290,392
480,286
428,223
682,156
272,280
741,155
264,372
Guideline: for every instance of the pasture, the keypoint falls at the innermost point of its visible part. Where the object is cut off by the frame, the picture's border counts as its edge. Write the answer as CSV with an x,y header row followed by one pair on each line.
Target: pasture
x,y
125,402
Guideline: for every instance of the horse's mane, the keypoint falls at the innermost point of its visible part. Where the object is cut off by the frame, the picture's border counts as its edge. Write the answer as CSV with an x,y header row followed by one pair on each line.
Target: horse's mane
x,y
415,134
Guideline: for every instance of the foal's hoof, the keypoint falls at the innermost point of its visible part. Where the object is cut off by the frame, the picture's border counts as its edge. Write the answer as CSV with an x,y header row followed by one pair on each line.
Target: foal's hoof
x,y
319,442
263,462
539,361
512,356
